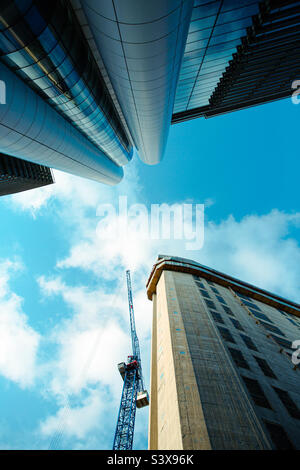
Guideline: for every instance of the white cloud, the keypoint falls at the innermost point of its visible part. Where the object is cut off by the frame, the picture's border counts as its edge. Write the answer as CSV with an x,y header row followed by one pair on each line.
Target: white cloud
x,y
75,421
18,341
95,335
66,187
91,342
257,249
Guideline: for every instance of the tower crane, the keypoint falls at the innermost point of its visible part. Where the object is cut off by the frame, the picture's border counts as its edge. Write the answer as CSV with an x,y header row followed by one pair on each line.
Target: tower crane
x,y
133,393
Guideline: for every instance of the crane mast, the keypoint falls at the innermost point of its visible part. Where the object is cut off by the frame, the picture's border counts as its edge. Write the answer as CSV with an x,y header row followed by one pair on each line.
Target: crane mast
x,y
134,339
133,393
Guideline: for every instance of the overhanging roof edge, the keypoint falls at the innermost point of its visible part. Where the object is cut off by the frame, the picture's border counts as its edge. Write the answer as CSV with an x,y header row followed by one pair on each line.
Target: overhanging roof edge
x,y
170,263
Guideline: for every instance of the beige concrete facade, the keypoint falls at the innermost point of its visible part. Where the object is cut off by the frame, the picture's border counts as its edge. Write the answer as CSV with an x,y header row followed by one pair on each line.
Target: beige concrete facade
x,y
176,415
198,399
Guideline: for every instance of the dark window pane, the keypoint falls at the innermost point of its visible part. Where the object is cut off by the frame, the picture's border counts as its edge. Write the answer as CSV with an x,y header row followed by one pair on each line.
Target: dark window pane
x,y
237,324
227,310
256,392
283,342
220,299
200,284
292,321
260,316
217,317
238,358
265,367
242,296
272,328
290,405
226,335
204,293
210,303
278,436
249,343
250,304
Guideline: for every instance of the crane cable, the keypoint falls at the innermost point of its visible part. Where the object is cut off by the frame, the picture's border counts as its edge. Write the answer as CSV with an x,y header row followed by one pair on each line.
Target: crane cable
x,y
66,411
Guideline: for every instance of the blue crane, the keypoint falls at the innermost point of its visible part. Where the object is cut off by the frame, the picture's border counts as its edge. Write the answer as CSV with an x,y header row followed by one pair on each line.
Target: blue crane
x,y
133,393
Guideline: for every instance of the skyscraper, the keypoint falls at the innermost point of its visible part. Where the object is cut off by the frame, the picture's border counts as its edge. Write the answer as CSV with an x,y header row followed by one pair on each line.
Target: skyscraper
x,y
18,175
222,374
87,81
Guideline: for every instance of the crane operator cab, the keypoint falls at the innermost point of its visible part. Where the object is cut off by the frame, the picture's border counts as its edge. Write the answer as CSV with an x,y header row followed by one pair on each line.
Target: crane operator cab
x,y
142,398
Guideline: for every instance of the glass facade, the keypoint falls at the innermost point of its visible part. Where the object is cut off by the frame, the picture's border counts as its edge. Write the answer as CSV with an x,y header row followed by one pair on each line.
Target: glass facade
x,y
43,43
215,32
238,54
121,72
18,175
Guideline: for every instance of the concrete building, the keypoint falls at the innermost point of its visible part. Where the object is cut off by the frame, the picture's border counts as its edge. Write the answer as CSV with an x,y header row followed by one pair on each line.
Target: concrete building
x,y
222,375
83,82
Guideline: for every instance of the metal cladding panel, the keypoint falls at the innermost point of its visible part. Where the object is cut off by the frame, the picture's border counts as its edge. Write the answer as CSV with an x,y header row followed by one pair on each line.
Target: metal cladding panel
x,y
142,44
44,45
32,130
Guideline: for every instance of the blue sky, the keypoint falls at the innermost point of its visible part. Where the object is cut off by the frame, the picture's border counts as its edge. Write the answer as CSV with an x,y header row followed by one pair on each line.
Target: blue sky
x,y
64,321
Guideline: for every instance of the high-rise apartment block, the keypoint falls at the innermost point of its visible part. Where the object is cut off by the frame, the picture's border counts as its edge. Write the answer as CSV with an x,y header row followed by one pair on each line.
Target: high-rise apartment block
x,y
224,374
83,82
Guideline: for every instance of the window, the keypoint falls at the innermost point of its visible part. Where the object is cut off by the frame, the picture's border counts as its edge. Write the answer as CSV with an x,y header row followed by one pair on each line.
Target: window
x,y
204,293
283,342
256,392
249,343
246,300
209,282
278,436
282,312
260,315
200,284
244,297
210,303
238,358
290,405
226,335
228,310
220,299
237,324
250,304
292,321
265,367
215,290
272,328
217,317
